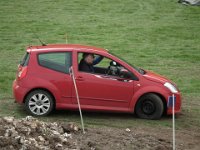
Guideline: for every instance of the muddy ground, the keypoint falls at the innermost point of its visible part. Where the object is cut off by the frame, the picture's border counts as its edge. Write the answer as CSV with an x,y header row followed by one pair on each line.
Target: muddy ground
x,y
32,134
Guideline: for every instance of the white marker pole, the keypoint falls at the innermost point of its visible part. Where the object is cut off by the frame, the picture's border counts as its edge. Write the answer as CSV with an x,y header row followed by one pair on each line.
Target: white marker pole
x,y
77,96
173,122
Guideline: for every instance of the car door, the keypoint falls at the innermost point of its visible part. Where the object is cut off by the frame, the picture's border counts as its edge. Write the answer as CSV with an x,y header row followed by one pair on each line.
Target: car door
x,y
101,91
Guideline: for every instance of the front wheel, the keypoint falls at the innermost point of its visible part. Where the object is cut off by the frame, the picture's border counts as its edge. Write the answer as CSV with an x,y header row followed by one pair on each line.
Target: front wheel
x,y
39,103
149,106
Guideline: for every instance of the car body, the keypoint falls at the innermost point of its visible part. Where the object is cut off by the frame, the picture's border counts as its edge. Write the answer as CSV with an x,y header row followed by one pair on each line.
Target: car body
x,y
43,82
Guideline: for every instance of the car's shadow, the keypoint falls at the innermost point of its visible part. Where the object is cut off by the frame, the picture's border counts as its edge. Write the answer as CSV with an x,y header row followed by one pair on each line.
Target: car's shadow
x,y
102,115
101,118
93,114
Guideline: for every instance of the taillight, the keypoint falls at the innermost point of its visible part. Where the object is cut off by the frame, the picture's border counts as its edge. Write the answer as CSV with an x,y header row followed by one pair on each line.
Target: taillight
x,y
22,72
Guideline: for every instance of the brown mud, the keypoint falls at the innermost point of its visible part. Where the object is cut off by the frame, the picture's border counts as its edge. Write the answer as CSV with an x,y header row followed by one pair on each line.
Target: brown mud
x,y
31,134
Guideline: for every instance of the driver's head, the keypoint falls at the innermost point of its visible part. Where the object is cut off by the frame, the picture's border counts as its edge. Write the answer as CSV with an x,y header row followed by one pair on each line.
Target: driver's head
x,y
88,57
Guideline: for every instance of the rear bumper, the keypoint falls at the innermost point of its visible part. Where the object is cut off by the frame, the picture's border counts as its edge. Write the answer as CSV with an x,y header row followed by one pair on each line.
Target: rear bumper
x,y
18,92
177,104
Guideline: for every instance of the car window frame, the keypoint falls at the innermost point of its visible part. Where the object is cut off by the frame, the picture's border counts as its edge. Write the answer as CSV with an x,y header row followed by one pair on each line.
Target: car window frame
x,y
67,70
134,77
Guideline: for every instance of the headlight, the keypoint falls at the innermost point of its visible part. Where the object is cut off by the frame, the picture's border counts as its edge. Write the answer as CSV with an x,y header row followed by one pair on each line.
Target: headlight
x,y
170,87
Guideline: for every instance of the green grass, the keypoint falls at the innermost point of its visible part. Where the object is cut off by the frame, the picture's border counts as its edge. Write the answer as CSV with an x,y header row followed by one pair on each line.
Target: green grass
x,y
162,36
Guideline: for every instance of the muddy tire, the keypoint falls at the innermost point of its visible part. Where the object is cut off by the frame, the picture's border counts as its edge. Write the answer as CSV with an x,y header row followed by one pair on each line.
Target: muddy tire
x,y
39,103
149,106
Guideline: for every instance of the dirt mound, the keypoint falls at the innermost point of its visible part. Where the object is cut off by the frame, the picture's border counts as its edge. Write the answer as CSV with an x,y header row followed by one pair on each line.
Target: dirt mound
x,y
31,134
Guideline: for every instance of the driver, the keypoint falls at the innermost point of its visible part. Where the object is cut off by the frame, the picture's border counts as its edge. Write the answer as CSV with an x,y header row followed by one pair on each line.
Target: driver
x,y
88,61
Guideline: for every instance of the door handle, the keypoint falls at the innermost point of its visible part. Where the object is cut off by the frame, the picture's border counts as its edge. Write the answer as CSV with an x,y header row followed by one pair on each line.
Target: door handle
x,y
79,78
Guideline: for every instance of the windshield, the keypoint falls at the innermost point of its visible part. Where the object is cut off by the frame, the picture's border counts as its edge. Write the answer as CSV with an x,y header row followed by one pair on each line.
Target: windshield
x,y
141,71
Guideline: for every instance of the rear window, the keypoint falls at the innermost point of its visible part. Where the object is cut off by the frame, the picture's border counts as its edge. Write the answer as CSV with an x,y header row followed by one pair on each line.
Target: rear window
x,y
60,61
25,59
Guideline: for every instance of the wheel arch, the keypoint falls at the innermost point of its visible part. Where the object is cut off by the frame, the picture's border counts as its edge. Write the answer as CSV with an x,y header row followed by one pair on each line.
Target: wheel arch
x,y
156,93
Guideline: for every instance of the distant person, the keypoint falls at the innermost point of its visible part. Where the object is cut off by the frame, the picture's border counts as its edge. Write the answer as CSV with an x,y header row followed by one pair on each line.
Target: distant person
x,y
88,61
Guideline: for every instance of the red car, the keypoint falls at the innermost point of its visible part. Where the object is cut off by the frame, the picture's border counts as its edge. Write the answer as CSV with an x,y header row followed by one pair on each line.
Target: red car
x,y
43,82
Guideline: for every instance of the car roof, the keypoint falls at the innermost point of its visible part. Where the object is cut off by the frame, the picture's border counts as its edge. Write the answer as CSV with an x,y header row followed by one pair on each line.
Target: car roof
x,y
64,47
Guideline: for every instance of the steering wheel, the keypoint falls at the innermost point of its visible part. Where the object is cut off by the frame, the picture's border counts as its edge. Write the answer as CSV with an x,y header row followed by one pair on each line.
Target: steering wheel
x,y
113,70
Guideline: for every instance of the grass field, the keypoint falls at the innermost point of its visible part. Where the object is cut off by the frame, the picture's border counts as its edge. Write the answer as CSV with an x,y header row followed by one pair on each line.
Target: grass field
x,y
162,36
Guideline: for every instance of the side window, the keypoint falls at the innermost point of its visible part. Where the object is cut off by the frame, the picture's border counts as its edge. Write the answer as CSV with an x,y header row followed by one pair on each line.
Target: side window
x,y
102,65
92,63
60,61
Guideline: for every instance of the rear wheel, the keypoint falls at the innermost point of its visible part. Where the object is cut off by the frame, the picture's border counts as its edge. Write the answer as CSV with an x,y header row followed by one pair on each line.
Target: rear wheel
x,y
39,103
149,106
